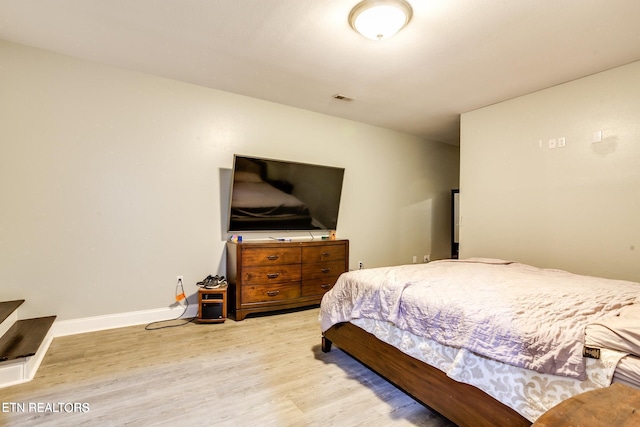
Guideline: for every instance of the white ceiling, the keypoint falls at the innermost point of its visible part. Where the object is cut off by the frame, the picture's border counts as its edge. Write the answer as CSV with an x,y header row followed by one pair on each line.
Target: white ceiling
x,y
454,56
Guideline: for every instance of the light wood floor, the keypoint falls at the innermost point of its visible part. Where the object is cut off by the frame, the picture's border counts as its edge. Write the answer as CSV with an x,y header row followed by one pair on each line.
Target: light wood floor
x,y
263,371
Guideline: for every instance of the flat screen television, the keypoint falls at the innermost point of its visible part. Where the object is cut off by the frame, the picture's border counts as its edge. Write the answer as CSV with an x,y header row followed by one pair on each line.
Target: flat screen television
x,y
279,195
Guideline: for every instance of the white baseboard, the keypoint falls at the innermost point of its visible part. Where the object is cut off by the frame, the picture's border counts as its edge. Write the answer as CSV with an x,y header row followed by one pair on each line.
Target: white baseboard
x,y
63,328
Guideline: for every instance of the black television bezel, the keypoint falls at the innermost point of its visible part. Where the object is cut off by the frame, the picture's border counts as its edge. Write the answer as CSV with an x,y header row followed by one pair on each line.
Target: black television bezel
x,y
280,230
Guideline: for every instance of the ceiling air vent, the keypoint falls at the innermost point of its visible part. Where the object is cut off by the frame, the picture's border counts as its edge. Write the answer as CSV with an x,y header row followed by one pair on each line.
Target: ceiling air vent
x,y
342,97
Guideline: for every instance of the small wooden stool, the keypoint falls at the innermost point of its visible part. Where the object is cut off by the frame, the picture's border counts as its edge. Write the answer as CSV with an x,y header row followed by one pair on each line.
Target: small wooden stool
x,y
212,305
617,405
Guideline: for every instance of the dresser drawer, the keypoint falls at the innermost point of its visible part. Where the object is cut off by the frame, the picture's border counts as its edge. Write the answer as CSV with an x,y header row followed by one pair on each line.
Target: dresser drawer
x,y
318,286
323,253
271,274
322,269
270,256
269,293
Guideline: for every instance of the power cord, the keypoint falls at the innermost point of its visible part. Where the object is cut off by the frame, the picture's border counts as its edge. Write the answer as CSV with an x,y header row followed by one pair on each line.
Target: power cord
x,y
179,297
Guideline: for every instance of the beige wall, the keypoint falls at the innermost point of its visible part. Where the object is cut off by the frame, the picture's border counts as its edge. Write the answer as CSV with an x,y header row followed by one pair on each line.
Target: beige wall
x,y
112,182
575,208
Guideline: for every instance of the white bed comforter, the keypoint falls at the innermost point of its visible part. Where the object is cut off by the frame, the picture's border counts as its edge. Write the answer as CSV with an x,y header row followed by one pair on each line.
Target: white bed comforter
x,y
510,312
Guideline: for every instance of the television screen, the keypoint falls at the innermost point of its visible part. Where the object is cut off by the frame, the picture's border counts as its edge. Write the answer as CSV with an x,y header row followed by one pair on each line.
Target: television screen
x,y
277,195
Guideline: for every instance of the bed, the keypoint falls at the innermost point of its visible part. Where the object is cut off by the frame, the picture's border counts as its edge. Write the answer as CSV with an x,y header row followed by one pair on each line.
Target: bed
x,y
486,342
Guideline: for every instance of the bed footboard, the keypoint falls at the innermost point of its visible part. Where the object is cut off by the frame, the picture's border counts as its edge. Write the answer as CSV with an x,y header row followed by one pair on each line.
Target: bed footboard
x,y
463,404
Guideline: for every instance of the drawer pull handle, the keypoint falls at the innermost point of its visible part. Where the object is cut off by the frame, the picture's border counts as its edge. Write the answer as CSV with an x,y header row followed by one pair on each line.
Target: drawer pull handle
x,y
273,257
326,270
273,275
325,286
326,253
273,293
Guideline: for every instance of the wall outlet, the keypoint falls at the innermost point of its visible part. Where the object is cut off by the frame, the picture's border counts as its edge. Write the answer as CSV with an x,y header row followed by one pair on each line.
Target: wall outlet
x,y
597,136
179,288
415,259
360,265
426,258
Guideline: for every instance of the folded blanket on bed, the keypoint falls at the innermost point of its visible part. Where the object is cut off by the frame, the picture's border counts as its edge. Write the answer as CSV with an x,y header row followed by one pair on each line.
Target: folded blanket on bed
x,y
621,332
514,313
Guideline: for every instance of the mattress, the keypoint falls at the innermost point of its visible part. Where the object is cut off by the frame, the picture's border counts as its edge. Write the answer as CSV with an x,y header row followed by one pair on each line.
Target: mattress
x,y
527,392
628,371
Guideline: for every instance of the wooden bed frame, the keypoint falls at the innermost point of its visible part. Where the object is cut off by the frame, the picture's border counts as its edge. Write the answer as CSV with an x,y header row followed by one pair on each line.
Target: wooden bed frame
x,y
463,404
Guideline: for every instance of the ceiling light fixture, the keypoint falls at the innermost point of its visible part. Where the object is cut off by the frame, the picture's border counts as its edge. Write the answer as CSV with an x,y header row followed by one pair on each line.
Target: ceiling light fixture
x,y
380,19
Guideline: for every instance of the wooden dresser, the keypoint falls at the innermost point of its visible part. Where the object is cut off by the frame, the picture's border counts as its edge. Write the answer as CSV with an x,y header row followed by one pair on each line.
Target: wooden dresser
x,y
274,275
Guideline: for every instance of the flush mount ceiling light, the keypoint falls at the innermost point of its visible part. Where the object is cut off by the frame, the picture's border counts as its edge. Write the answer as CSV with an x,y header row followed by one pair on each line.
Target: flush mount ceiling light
x,y
380,19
